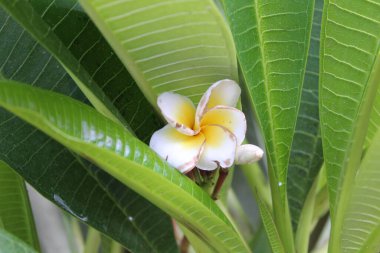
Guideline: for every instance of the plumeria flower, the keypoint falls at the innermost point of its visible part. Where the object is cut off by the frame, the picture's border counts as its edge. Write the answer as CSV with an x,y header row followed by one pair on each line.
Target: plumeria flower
x,y
206,137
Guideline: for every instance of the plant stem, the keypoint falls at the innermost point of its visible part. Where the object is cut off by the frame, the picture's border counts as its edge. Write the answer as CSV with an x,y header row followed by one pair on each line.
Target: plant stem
x,y
190,174
116,247
306,219
238,215
257,181
73,233
184,247
281,212
92,241
223,173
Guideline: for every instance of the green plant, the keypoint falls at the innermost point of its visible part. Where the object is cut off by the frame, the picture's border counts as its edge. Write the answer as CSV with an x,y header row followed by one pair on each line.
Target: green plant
x,y
78,107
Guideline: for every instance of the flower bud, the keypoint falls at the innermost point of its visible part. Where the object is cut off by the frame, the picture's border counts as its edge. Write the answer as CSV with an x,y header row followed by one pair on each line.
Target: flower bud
x,y
248,153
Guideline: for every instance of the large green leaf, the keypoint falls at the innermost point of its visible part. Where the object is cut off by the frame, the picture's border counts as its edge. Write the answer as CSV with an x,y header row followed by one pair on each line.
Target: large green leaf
x,y
93,197
11,244
272,43
361,227
306,154
15,210
272,40
64,29
55,171
349,77
110,146
175,45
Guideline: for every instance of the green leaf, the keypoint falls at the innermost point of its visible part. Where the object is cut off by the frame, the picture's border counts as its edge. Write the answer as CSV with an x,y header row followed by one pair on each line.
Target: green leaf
x,y
177,45
65,180
361,222
12,244
349,78
270,227
64,29
272,41
306,153
58,174
15,211
110,146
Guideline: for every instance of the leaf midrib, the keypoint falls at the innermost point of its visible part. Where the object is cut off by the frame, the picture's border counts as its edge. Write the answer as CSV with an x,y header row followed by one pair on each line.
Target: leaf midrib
x,y
267,96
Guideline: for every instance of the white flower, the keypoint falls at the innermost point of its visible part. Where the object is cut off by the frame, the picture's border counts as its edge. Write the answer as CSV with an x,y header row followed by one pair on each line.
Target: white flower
x,y
205,137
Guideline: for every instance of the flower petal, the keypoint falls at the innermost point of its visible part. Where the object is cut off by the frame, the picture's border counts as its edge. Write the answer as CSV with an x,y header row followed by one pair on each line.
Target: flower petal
x,y
224,92
219,149
248,153
179,150
178,110
228,117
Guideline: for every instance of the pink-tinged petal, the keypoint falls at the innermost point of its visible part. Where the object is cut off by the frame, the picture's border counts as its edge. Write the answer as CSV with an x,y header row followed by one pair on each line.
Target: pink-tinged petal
x,y
248,153
219,149
224,92
179,150
179,111
228,117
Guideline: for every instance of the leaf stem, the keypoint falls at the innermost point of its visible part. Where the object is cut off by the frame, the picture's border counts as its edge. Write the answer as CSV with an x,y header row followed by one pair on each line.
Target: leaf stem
x,y
257,181
306,220
92,241
223,173
191,175
184,247
116,247
239,216
281,212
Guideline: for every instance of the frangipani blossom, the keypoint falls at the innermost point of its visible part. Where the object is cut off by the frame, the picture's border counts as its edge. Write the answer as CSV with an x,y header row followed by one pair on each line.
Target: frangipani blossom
x,y
206,137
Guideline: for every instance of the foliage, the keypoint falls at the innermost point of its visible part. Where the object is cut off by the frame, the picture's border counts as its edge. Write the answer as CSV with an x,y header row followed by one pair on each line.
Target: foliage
x,y
79,83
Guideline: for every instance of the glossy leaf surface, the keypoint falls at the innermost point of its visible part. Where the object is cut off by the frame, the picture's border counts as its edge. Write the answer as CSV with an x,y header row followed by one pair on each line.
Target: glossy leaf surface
x,y
10,243
25,14
110,146
55,172
361,227
15,211
306,154
76,31
178,45
65,30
